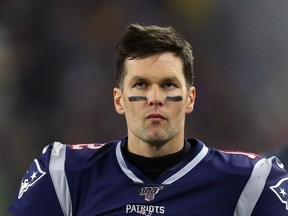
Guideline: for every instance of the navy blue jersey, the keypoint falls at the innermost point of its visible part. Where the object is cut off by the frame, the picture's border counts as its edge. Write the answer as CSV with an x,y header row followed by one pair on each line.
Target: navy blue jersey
x,y
97,179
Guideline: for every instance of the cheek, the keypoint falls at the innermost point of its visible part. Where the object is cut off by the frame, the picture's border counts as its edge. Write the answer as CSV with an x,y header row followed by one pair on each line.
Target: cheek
x,y
133,116
132,109
177,109
185,107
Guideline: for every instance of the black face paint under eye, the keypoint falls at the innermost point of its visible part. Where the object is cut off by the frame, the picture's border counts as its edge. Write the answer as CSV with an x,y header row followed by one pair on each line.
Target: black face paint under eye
x,y
174,98
137,98
142,98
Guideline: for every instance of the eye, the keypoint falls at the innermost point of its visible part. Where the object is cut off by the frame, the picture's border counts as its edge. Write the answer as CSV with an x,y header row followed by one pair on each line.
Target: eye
x,y
169,85
140,85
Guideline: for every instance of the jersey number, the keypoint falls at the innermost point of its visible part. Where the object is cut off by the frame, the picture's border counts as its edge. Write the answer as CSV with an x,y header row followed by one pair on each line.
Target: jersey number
x,y
86,146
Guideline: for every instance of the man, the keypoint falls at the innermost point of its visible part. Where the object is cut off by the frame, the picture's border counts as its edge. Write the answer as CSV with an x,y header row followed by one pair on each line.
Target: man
x,y
154,170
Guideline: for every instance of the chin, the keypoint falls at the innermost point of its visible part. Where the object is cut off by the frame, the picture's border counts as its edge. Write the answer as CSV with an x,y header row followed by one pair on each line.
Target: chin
x,y
157,140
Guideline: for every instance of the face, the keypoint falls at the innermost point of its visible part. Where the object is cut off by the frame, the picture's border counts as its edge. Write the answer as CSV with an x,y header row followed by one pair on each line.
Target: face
x,y
154,98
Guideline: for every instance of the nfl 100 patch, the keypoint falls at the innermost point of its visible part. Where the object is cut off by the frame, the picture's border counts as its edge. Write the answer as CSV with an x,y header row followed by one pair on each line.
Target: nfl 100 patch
x,y
150,192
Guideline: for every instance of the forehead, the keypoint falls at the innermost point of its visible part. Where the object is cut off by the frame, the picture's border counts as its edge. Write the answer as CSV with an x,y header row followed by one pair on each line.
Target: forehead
x,y
155,66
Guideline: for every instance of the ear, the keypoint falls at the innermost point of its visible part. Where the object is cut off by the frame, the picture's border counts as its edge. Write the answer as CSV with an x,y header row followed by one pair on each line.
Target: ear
x,y
191,99
118,103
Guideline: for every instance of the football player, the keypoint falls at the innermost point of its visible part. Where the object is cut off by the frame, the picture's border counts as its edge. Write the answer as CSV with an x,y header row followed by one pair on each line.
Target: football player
x,y
155,170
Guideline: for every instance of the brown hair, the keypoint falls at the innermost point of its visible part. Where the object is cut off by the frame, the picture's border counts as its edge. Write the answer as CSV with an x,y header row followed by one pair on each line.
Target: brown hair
x,y
142,41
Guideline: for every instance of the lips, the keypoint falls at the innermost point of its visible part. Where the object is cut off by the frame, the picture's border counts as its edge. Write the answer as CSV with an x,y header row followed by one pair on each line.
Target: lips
x,y
155,116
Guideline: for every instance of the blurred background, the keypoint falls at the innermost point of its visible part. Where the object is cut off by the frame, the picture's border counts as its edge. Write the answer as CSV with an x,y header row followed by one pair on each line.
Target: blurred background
x,y
57,74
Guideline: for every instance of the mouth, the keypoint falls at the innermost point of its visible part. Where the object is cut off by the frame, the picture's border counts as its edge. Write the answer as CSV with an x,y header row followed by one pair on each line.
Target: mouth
x,y
155,117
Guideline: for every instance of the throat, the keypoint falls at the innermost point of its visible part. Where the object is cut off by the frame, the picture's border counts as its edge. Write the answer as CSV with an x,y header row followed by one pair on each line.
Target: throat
x,y
153,168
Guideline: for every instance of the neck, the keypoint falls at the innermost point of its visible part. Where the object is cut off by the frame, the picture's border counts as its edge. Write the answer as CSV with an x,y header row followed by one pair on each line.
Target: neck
x,y
155,167
155,149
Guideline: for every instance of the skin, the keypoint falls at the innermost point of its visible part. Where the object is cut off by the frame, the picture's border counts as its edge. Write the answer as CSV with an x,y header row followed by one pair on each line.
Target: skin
x,y
155,126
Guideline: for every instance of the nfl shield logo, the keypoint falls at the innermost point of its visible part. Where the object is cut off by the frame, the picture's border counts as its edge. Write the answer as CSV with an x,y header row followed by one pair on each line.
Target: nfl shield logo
x,y
281,190
150,192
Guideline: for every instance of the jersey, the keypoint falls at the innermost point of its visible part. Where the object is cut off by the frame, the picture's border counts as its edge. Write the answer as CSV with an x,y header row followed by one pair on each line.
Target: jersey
x,y
97,179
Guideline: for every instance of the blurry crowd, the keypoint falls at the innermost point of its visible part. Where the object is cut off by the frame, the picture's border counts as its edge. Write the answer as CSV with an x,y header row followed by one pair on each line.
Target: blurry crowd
x,y
57,74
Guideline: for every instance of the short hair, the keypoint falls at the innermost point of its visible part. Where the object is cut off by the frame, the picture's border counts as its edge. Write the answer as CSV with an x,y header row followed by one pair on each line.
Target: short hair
x,y
141,41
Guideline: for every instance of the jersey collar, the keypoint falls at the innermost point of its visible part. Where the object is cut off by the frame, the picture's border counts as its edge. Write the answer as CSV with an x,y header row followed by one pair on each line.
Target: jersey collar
x,y
201,153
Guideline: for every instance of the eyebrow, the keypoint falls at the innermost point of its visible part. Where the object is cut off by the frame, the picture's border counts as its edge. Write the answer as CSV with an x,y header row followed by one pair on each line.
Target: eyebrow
x,y
138,78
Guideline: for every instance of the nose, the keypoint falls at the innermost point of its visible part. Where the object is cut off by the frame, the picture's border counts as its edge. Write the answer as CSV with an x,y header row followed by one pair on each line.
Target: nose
x,y
155,97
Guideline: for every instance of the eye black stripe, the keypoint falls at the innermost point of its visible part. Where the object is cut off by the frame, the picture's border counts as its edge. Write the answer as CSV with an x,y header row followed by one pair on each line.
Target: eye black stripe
x,y
174,98
137,98
142,98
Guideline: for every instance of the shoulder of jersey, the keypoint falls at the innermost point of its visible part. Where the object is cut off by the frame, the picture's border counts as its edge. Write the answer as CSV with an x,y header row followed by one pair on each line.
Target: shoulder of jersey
x,y
81,147
237,162
242,163
240,155
77,152
90,148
